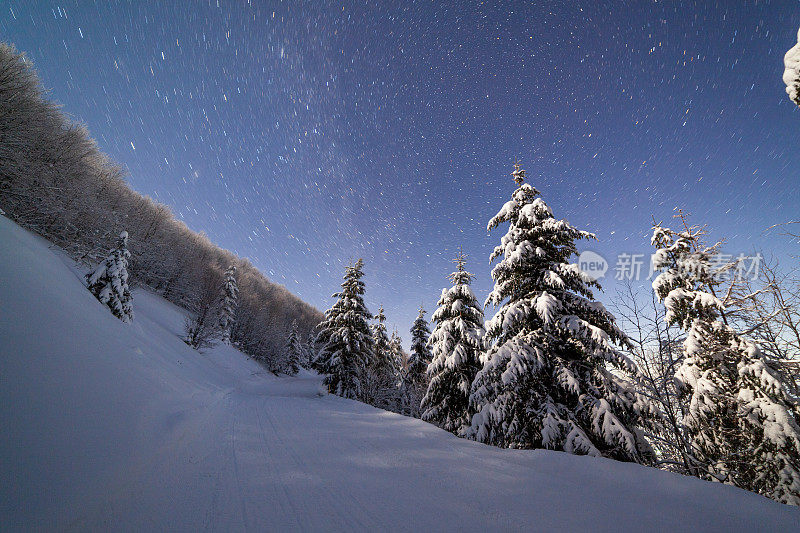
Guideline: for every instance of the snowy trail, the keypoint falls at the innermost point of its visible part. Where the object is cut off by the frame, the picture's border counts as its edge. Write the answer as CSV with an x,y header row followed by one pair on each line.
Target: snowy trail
x,y
107,426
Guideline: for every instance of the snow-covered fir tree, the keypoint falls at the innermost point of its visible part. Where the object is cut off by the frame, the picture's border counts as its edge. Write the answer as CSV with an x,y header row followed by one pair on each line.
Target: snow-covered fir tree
x,y
230,293
109,281
293,351
414,381
420,351
383,353
456,343
398,357
345,337
791,73
742,423
380,375
545,382
308,352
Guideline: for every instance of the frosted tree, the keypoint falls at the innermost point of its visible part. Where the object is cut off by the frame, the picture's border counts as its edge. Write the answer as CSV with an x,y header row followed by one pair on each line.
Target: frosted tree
x,y
109,281
791,73
293,351
383,353
414,380
399,358
456,343
230,293
420,351
742,424
308,352
380,380
345,337
202,325
545,382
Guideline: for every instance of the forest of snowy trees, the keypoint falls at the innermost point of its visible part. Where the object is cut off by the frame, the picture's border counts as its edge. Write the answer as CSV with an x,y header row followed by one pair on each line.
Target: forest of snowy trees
x,y
699,376
56,182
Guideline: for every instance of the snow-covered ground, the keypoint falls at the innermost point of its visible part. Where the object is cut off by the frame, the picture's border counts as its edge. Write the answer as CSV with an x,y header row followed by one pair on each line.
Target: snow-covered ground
x,y
105,425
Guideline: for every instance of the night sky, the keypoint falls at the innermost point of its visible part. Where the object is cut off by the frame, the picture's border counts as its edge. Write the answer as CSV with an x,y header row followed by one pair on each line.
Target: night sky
x,y
304,135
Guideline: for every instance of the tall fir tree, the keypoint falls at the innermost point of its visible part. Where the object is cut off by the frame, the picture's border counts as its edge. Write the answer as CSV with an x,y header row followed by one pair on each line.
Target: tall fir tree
x,y
293,351
456,343
415,378
545,381
742,423
109,281
345,337
230,293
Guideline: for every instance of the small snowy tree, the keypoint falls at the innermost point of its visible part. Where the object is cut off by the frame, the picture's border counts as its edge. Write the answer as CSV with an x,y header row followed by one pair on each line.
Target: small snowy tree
x,y
399,358
109,281
345,337
545,381
308,352
230,292
742,424
380,379
383,354
415,379
456,342
293,351
791,73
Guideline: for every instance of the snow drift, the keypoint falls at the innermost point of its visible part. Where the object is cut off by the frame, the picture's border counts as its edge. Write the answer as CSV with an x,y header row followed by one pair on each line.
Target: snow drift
x,y
107,425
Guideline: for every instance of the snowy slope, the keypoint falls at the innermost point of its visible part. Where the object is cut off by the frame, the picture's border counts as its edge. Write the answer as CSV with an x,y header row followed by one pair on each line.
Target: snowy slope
x,y
111,426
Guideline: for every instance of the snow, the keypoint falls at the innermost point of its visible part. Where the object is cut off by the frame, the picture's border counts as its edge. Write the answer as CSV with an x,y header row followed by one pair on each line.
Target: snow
x,y
113,426
791,74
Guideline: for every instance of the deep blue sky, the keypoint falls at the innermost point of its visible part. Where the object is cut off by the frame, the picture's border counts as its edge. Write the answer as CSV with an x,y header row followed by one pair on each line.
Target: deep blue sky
x,y
302,135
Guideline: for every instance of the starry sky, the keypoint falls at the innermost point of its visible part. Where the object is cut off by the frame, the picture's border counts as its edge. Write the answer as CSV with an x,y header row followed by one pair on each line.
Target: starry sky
x,y
306,134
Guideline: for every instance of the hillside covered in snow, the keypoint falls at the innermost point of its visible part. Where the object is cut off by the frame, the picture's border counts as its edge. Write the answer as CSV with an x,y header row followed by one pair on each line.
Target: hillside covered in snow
x,y
110,426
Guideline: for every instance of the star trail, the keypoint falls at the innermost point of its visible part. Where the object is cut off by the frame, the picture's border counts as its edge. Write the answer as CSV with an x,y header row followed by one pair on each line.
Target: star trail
x,y
304,135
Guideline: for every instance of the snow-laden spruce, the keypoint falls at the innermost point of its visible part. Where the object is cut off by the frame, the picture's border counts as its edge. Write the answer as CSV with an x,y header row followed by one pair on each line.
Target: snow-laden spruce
x,y
230,293
545,381
383,354
398,357
791,74
109,281
420,351
293,352
380,380
414,381
345,337
456,344
742,423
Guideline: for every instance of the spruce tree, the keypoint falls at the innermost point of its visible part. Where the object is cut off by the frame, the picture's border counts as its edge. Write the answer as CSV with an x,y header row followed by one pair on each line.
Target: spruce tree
x,y
742,423
307,348
545,381
415,378
230,293
398,357
420,351
380,380
345,337
293,351
457,343
109,281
